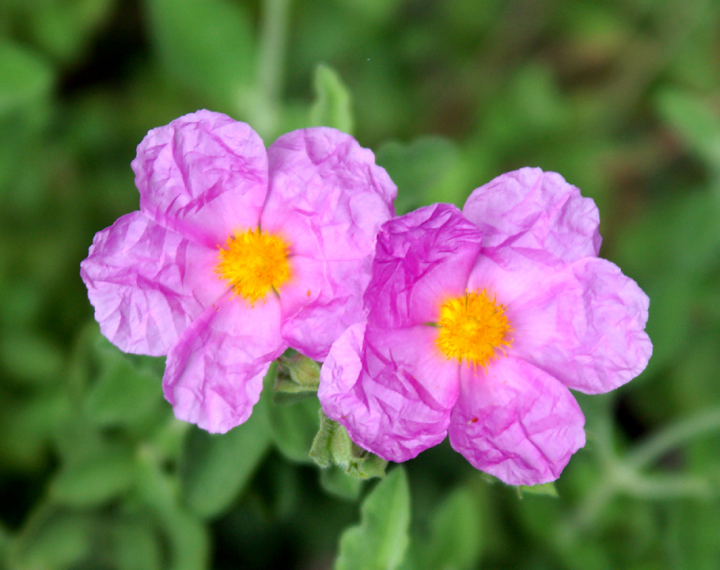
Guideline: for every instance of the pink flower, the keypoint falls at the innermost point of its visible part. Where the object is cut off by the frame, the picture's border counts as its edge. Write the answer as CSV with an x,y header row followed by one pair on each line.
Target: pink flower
x,y
478,324
236,254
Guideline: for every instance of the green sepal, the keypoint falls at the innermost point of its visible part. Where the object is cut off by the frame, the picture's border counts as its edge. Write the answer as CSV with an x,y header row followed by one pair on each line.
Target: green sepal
x,y
294,425
297,378
336,482
542,489
333,446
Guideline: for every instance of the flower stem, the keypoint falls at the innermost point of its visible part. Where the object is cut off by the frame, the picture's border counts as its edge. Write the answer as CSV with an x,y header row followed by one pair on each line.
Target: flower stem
x,y
659,444
270,65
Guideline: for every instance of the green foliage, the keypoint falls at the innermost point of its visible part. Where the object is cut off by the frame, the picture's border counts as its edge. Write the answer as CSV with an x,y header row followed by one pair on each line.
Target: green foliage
x,y
125,392
455,538
216,65
380,541
332,446
336,481
95,479
297,377
293,425
57,541
333,104
543,489
696,121
423,171
620,98
216,468
24,78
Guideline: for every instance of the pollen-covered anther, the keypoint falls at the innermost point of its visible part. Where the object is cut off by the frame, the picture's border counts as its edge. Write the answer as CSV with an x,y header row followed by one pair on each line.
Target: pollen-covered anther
x,y
472,328
254,263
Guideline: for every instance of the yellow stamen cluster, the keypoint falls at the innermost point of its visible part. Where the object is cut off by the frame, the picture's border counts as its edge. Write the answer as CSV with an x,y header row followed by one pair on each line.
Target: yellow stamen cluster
x,y
472,327
253,263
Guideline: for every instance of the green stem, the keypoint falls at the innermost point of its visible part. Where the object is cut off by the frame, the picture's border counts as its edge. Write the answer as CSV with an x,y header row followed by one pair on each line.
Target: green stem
x,y
270,65
667,439
623,476
668,486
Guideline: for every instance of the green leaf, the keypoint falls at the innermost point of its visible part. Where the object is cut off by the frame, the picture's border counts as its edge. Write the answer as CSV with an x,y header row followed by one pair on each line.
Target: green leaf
x,y
380,541
187,536
207,46
696,121
54,541
24,78
293,425
375,10
135,546
333,104
28,426
422,171
94,480
5,540
338,483
127,390
455,535
65,28
31,358
215,468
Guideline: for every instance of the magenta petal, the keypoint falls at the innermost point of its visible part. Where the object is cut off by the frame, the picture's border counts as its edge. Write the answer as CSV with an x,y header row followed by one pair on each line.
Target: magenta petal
x,y
516,422
321,301
389,389
585,325
421,259
328,199
214,373
204,175
326,194
529,209
147,283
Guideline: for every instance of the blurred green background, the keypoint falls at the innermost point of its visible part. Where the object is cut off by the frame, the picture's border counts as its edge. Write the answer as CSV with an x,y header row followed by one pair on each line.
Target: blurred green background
x,y
622,97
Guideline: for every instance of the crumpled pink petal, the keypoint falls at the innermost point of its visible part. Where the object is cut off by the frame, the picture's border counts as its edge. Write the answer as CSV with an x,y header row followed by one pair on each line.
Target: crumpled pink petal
x,y
392,402
214,373
582,323
203,179
529,209
327,194
328,198
585,325
516,422
421,257
147,283
315,295
204,175
576,321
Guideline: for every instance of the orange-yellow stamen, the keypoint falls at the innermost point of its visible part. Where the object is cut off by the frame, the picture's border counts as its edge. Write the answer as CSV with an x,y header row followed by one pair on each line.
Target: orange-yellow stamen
x,y
253,263
472,327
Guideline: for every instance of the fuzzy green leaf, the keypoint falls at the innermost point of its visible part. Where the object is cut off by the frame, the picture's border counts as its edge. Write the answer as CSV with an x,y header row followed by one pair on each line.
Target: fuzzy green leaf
x,y
333,104
95,480
380,541
216,467
455,535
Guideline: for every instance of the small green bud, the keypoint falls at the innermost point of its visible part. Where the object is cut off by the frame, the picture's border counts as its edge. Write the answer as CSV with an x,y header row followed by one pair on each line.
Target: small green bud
x,y
333,446
297,377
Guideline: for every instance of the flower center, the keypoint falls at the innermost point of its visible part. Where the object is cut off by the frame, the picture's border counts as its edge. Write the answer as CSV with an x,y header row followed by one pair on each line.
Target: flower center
x,y
253,263
472,327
